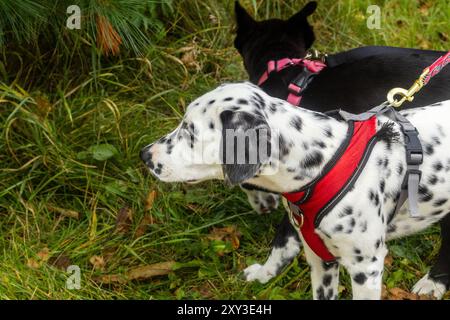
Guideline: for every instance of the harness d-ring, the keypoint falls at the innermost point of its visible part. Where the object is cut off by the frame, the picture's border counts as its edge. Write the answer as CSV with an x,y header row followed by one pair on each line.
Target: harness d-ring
x,y
293,215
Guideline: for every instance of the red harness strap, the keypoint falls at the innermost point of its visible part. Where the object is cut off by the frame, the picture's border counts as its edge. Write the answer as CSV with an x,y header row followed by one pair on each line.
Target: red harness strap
x,y
318,198
294,96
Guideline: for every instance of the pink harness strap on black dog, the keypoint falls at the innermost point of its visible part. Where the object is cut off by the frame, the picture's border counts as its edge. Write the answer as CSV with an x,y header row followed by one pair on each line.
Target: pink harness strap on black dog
x,y
310,204
295,88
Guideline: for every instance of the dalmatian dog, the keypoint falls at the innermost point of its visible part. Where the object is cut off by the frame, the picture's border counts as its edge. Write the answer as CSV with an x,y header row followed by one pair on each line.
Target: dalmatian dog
x,y
296,145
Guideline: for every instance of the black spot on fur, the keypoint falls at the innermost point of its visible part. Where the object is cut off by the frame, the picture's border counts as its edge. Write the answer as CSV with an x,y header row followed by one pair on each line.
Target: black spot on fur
x,y
297,123
330,294
320,116
242,101
228,99
438,166
360,278
436,213
425,194
319,144
347,212
363,226
382,186
429,150
433,179
327,280
210,102
377,244
374,197
312,159
359,258
284,149
400,169
211,125
338,228
439,202
392,228
388,134
328,133
320,293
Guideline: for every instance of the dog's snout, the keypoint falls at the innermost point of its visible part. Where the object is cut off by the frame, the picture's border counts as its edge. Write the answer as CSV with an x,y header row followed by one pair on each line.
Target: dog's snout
x,y
146,155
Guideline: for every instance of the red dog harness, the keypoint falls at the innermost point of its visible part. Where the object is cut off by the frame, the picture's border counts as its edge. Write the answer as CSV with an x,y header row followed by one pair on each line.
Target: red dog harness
x,y
311,68
310,204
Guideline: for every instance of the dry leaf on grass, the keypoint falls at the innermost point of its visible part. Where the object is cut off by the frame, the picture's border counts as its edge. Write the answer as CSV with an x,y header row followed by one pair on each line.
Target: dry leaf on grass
x,y
61,262
204,290
97,262
143,225
64,212
400,294
229,233
388,260
150,200
152,270
123,220
138,273
42,256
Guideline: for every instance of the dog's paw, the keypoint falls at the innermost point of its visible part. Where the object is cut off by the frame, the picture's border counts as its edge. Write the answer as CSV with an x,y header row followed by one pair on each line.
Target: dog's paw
x,y
430,287
263,202
257,272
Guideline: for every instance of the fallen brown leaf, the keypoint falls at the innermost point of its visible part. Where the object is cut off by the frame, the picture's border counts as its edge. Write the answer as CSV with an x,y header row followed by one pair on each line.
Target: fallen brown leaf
x,y
143,225
204,290
32,263
64,212
42,256
110,278
400,294
229,233
123,220
97,262
148,271
388,260
138,273
150,200
61,262
43,105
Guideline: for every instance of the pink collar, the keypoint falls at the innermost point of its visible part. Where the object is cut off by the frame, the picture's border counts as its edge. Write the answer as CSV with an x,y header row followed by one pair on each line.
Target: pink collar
x,y
294,96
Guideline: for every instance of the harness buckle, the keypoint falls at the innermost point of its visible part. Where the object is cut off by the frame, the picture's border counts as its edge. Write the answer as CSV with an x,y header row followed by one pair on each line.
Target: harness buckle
x,y
414,153
272,66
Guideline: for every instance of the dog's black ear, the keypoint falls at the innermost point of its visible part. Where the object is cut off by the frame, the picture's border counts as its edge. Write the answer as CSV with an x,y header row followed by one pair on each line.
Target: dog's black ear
x,y
243,20
299,22
306,11
245,145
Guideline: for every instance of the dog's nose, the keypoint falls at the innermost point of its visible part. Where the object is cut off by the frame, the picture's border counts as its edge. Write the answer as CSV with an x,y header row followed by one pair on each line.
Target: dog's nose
x,y
146,154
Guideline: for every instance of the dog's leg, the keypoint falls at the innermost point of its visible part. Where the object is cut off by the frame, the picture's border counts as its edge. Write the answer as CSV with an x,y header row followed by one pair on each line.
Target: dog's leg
x,y
324,277
436,282
366,272
285,248
261,202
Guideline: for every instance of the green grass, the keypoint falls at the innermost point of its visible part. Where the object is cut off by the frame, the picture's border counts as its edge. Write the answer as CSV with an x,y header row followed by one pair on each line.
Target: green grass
x,y
49,127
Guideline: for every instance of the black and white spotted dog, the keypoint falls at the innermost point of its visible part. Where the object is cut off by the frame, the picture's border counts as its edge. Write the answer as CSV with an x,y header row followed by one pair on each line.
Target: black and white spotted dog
x,y
356,230
368,73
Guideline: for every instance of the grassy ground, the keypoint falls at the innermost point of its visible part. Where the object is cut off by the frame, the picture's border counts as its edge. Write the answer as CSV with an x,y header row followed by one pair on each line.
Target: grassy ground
x,y
74,192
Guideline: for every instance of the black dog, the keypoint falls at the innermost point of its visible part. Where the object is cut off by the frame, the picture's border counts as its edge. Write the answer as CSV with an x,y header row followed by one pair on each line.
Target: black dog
x,y
355,81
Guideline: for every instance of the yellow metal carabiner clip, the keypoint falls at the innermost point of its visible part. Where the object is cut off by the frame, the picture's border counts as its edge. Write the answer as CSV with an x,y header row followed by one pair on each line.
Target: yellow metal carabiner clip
x,y
407,94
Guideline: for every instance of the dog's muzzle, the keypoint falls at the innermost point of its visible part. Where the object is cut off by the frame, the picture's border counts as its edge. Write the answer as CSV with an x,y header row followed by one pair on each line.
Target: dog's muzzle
x,y
146,156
